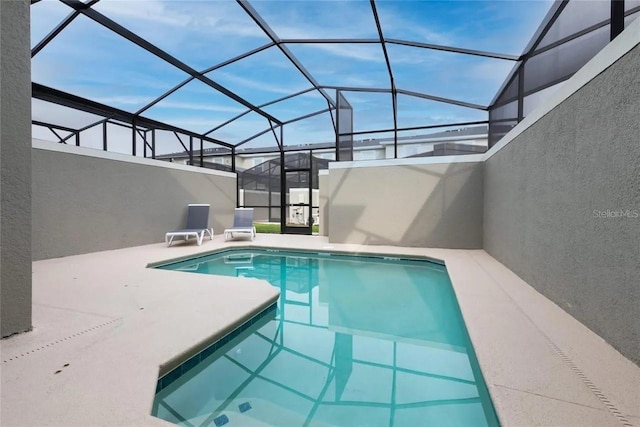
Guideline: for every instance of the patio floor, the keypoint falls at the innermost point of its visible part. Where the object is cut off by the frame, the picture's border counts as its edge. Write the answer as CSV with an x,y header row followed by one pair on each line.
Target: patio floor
x,y
104,324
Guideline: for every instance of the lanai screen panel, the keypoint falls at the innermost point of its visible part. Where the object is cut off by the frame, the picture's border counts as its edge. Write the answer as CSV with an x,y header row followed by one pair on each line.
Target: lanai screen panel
x,y
345,129
580,31
503,116
88,60
494,26
631,11
414,112
200,34
428,44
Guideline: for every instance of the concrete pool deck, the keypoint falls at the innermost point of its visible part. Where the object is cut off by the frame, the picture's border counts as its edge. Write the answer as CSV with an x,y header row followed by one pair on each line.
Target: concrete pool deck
x,y
104,324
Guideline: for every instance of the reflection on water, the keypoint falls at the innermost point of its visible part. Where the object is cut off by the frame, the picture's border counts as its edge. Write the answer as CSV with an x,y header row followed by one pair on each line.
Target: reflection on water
x,y
354,342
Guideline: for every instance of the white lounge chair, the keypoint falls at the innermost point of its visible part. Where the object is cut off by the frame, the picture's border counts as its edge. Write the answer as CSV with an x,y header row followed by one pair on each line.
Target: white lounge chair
x,y
242,223
197,225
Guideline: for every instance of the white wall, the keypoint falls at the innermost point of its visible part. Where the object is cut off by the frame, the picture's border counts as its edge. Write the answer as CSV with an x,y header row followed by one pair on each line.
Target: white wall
x,y
87,200
424,202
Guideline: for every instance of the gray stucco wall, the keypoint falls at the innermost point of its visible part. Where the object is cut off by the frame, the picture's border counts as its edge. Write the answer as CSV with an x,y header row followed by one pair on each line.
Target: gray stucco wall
x,y
85,204
429,205
547,194
15,170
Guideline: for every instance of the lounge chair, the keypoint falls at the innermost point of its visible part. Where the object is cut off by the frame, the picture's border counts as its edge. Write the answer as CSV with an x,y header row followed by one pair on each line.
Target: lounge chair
x,y
197,225
242,223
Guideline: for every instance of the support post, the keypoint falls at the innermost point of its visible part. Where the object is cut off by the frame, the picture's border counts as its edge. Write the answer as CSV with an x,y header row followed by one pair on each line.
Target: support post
x,y
153,143
521,91
104,136
283,185
133,138
617,18
201,153
337,125
233,159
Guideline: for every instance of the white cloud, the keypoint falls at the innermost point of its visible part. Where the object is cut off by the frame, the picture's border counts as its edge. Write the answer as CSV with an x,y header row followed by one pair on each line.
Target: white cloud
x,y
491,71
212,18
123,100
283,89
152,11
367,53
360,81
323,19
395,24
200,106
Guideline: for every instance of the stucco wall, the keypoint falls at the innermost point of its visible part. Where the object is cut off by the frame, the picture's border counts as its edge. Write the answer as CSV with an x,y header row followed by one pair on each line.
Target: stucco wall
x,y
552,202
436,205
323,190
15,170
83,203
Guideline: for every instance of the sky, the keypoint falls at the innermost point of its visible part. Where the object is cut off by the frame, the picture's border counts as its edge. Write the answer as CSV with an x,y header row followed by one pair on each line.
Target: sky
x,y
89,60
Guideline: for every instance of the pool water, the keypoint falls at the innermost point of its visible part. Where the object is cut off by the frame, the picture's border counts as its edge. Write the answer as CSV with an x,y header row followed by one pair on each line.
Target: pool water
x,y
354,341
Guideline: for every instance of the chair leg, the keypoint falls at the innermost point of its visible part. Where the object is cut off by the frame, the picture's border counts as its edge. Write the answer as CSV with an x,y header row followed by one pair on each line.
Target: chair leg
x,y
170,240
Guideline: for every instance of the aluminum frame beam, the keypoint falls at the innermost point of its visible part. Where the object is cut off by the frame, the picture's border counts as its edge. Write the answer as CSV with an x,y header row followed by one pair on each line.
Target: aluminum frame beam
x,y
444,125
410,93
394,92
85,8
58,29
56,96
485,54
296,119
274,38
482,53
47,125
266,104
445,100
329,41
208,70
151,48
552,15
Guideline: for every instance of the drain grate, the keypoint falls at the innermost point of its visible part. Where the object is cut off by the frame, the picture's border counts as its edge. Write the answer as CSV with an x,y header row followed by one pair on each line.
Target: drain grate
x,y
51,344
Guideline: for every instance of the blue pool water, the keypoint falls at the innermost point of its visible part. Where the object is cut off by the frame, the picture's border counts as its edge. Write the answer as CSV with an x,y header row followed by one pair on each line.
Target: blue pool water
x,y
354,341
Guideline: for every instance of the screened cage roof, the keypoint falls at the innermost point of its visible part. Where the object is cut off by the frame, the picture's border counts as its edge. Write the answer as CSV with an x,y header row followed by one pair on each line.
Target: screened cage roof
x,y
230,70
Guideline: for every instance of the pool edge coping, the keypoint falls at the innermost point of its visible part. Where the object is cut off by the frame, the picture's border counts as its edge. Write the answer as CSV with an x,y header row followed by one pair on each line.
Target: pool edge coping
x,y
509,404
409,257
190,353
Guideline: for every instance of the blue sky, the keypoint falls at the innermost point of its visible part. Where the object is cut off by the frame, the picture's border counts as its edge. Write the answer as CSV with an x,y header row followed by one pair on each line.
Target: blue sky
x,y
89,60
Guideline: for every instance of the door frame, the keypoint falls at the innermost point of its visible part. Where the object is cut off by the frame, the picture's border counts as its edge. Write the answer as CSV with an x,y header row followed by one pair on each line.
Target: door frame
x,y
306,228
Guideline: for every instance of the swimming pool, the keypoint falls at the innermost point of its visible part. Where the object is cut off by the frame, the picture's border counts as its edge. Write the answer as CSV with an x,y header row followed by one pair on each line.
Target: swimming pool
x,y
354,341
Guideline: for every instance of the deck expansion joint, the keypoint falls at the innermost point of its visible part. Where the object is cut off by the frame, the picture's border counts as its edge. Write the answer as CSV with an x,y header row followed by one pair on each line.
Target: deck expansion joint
x,y
53,343
549,397
596,391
